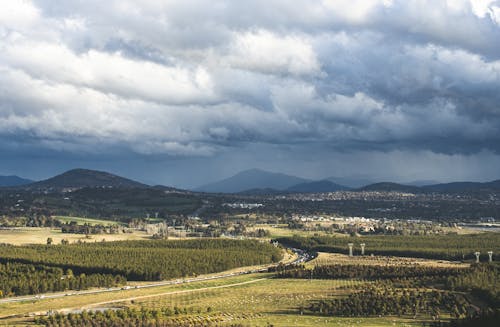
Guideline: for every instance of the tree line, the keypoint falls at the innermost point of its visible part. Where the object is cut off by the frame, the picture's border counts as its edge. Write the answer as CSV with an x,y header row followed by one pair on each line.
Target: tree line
x,y
368,272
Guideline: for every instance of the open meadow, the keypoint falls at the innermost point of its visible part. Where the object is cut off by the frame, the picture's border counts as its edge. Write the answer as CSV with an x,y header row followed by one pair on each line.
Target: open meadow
x,y
39,235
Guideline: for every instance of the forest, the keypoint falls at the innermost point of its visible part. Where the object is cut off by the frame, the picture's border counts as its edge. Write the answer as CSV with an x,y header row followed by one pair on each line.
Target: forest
x,y
124,260
445,247
23,279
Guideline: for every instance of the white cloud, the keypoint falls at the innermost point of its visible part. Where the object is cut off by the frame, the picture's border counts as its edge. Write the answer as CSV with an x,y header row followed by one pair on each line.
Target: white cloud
x,y
265,52
195,78
18,14
110,72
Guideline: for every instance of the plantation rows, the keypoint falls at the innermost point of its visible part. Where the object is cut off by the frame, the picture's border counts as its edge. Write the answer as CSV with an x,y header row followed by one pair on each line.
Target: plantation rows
x,y
22,279
145,317
447,247
146,260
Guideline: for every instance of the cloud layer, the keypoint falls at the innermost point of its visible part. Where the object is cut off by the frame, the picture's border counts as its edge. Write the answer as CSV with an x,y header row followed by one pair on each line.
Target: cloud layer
x,y
199,78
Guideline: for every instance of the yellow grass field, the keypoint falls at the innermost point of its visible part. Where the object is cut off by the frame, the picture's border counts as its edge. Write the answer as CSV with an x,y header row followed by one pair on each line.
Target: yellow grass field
x,y
39,235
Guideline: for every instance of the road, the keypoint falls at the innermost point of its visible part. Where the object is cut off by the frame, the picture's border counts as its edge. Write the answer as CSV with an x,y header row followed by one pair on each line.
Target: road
x,y
302,256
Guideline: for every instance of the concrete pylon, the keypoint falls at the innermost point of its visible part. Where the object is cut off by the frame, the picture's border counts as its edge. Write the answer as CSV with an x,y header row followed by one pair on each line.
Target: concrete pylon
x,y
350,248
477,256
362,248
490,256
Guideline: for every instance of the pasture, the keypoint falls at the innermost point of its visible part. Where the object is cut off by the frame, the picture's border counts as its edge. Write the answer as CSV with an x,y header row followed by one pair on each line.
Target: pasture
x,y
39,235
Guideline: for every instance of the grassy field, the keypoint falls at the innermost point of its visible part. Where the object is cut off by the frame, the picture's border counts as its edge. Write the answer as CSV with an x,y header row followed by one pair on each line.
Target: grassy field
x,y
36,235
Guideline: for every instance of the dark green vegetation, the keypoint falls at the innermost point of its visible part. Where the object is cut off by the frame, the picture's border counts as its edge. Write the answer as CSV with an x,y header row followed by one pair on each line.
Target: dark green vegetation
x,y
368,272
147,260
482,281
22,279
165,317
447,247
489,318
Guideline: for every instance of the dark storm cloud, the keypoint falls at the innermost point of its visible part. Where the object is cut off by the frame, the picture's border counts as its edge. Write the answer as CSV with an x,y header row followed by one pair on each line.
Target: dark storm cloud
x,y
204,78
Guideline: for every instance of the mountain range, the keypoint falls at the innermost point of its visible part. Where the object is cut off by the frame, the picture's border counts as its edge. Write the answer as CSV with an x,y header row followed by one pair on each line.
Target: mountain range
x,y
250,182
252,179
258,182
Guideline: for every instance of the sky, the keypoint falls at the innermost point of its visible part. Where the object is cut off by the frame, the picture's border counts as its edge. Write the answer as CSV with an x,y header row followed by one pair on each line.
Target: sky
x,y
186,92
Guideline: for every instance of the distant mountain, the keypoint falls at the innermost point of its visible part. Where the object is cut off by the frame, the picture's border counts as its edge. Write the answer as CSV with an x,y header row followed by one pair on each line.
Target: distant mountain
x,y
454,187
80,178
261,191
13,181
421,182
317,187
352,182
252,179
391,187
495,185
169,189
463,187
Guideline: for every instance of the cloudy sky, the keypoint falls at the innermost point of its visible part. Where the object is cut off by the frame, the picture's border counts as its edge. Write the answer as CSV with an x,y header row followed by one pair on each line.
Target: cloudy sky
x,y
187,92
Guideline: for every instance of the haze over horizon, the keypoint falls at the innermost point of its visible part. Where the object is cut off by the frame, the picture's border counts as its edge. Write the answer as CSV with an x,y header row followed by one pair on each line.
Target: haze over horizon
x,y
184,93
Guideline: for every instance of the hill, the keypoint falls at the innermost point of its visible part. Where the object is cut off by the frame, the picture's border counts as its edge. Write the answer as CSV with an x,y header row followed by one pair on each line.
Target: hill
x,y
317,187
261,191
6,181
454,187
352,182
391,187
80,178
252,179
463,187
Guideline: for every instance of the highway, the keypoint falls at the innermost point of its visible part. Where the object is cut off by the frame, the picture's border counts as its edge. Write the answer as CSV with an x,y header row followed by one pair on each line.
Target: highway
x,y
302,256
